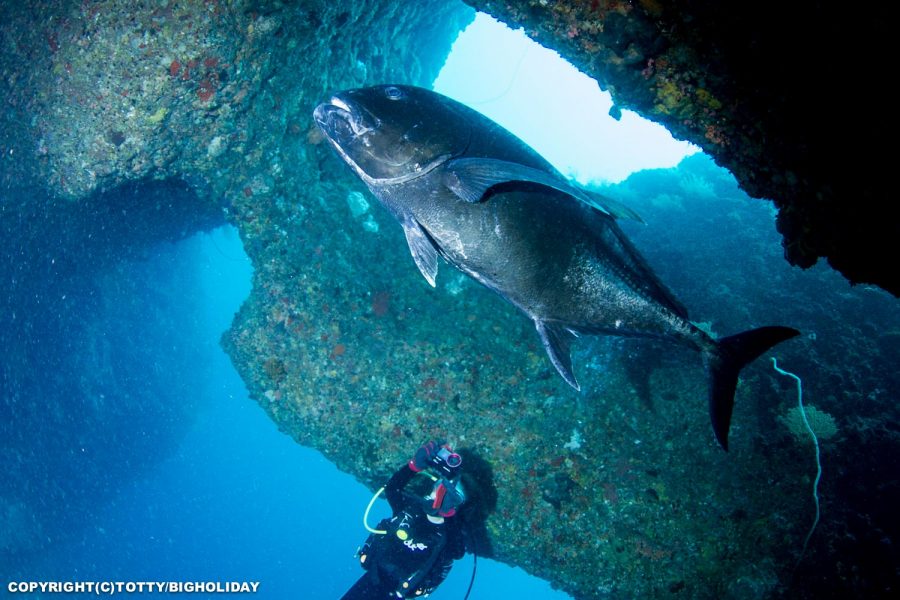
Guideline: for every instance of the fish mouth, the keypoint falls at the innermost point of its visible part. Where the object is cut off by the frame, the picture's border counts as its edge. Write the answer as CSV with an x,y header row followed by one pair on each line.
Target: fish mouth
x,y
343,121
343,124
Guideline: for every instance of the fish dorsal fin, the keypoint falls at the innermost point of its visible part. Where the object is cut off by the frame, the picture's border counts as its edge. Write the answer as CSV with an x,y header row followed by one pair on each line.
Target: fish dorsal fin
x,y
422,249
471,178
557,341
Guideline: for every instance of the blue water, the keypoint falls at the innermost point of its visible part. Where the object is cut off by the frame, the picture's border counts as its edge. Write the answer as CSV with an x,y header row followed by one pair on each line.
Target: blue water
x,y
237,500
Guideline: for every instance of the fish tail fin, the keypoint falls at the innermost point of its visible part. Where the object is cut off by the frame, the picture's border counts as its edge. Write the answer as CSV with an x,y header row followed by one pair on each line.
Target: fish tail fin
x,y
724,362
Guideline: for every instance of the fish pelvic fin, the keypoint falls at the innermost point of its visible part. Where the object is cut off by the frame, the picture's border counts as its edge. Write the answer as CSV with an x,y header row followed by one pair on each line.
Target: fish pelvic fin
x,y
557,340
724,362
422,249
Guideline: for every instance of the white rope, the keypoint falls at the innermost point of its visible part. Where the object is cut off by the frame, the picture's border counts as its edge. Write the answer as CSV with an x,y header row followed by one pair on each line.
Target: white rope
x,y
812,433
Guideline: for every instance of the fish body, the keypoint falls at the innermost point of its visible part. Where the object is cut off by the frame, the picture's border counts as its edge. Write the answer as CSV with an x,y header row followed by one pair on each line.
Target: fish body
x,y
467,190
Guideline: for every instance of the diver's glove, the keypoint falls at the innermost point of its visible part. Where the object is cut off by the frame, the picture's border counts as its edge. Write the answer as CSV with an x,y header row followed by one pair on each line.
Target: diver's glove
x,y
424,457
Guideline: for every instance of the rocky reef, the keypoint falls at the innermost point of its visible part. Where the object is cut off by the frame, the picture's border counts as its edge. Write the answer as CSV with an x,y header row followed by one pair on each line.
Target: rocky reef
x,y
615,492
772,95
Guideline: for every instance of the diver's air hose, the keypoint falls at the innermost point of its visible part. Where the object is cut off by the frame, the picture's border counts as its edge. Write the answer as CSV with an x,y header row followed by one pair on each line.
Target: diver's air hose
x,y
369,508
474,568
375,497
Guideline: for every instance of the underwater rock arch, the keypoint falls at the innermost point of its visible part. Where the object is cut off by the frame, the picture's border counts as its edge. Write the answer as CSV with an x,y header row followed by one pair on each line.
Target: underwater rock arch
x,y
605,494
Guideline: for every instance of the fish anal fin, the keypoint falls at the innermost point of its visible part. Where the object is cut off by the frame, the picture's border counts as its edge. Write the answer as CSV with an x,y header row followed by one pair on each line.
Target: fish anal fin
x,y
423,250
557,340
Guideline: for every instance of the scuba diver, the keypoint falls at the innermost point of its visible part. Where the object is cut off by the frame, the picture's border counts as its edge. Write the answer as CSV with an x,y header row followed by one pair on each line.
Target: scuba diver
x,y
409,554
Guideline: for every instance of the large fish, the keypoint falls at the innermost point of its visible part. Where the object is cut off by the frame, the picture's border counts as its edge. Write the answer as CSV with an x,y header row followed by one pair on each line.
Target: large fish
x,y
467,190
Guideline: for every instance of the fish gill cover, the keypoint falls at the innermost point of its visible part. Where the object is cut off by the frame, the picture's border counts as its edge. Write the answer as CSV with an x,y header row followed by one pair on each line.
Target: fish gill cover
x,y
616,491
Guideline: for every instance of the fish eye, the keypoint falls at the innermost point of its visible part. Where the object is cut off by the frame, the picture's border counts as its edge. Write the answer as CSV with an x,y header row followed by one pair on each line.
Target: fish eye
x,y
393,93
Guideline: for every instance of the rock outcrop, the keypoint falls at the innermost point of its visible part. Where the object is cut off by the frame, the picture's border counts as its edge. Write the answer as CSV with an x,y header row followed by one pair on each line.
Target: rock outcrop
x,y
789,100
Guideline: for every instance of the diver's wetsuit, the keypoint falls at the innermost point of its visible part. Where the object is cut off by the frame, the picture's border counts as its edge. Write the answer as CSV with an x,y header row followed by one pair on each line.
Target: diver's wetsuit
x,y
421,560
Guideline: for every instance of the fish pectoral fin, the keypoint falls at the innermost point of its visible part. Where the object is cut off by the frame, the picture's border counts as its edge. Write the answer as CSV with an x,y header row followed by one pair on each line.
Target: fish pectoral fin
x,y
557,340
613,207
422,249
471,178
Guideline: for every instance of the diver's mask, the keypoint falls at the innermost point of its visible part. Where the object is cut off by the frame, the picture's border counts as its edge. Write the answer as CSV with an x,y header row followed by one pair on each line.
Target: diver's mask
x,y
445,498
